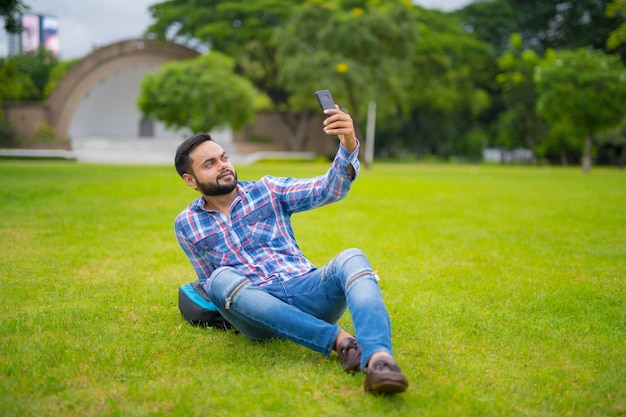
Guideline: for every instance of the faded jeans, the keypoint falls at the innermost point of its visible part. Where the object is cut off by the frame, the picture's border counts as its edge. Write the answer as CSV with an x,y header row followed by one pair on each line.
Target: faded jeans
x,y
306,309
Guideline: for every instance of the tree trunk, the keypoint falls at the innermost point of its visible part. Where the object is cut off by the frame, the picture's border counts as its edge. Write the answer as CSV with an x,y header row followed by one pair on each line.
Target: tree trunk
x,y
298,137
298,126
587,154
622,157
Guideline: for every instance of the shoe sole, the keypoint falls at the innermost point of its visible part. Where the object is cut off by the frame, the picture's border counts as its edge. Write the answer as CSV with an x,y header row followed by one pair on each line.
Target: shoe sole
x,y
352,371
387,387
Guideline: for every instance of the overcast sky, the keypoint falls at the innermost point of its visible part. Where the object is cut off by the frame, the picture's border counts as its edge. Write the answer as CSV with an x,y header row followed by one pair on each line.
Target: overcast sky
x,y
87,24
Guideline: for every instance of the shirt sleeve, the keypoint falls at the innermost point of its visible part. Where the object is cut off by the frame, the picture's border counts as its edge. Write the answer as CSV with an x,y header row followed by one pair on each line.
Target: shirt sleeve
x,y
350,158
203,268
297,195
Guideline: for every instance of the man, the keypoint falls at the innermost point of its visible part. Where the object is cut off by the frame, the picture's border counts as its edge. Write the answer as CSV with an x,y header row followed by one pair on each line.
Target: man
x,y
239,239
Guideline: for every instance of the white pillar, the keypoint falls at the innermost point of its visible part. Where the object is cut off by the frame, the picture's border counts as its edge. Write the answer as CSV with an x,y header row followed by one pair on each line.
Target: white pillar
x,y
369,136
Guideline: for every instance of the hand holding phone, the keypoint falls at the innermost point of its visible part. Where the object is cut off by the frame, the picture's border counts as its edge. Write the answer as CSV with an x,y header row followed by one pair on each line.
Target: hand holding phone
x,y
325,99
342,126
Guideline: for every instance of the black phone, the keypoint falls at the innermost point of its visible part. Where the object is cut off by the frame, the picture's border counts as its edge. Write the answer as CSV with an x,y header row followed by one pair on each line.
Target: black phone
x,y
325,100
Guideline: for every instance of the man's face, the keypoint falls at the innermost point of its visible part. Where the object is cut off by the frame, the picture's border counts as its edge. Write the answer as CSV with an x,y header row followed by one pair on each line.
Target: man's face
x,y
212,173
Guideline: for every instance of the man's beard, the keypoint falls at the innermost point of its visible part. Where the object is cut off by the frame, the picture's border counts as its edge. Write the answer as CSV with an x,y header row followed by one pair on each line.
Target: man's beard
x,y
217,188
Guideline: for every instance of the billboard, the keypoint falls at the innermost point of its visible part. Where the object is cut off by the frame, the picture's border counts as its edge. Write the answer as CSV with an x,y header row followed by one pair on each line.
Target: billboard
x,y
40,31
50,34
31,34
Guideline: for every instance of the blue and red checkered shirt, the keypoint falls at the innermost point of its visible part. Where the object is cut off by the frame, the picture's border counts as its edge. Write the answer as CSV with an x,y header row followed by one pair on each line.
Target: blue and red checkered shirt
x,y
257,239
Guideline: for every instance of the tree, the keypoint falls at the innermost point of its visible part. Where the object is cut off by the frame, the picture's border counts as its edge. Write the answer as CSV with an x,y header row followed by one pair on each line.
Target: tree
x,y
15,84
228,26
520,125
241,30
32,71
361,54
450,88
38,64
200,94
11,11
543,24
572,90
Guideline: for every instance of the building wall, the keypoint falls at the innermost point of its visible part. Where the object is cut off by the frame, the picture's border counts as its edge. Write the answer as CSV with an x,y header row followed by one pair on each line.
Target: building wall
x,y
25,117
109,108
269,125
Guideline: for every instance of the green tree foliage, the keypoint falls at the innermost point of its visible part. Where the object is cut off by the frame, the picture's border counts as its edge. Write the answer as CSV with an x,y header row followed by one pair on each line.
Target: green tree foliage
x,y
450,91
617,38
28,74
491,21
543,24
200,94
10,11
572,91
241,30
560,143
519,124
15,85
227,26
361,53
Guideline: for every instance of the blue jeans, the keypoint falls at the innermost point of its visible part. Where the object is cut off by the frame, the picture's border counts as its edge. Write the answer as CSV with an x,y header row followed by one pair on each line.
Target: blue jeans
x,y
305,309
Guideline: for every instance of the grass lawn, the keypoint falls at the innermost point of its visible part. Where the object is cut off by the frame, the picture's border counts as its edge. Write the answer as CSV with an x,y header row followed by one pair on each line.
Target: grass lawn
x,y
506,288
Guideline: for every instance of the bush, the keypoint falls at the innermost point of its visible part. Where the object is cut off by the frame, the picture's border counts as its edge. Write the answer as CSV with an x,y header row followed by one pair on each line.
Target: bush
x,y
45,133
7,133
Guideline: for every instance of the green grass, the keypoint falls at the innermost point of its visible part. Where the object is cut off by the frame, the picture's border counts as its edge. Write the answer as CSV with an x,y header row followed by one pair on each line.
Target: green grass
x,y
506,289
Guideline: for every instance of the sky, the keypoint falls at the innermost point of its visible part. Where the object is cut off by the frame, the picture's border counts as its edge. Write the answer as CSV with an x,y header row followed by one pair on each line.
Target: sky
x,y
87,25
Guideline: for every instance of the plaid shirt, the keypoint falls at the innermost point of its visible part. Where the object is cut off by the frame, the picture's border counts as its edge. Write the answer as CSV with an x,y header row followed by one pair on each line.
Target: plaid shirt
x,y
258,238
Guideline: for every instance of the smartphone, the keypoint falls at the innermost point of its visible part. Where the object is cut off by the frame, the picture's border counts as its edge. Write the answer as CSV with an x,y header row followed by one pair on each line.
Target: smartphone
x,y
325,100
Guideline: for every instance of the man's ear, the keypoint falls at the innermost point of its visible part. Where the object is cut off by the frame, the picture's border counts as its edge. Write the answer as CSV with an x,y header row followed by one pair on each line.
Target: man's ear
x,y
190,180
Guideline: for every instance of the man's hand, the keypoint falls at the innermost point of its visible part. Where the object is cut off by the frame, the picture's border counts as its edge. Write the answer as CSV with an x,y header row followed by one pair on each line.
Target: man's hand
x,y
340,124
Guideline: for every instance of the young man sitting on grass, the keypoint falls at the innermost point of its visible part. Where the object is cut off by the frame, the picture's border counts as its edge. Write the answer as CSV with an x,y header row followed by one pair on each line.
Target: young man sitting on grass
x,y
239,239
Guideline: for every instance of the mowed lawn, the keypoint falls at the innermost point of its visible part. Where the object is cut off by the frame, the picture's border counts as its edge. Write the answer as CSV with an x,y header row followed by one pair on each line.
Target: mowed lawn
x,y
506,288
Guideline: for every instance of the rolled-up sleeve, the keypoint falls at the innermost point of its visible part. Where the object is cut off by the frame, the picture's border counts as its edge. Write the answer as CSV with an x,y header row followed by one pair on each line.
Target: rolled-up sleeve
x,y
349,158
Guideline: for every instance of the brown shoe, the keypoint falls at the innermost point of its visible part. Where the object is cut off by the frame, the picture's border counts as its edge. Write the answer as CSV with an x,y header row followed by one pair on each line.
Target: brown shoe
x,y
349,352
384,377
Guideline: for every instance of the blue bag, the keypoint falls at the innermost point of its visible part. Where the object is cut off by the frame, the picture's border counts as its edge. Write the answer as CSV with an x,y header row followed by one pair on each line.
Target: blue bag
x,y
196,307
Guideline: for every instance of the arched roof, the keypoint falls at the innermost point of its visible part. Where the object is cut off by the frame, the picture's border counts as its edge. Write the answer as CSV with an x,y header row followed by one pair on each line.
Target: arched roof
x,y
102,62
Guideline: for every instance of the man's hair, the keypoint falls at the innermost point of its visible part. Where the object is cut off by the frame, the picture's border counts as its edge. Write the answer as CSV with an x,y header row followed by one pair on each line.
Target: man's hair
x,y
182,162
